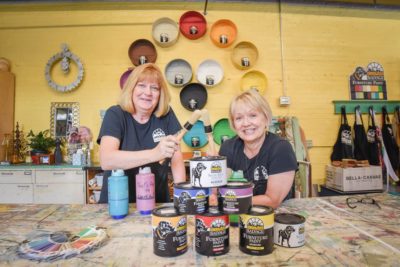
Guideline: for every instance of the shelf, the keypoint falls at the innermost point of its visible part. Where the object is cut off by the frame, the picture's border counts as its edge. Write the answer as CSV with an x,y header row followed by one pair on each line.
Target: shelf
x,y
350,105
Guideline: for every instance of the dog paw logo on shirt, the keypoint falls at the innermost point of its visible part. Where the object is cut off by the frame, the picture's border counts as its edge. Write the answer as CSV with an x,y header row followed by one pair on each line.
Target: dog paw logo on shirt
x,y
157,134
260,173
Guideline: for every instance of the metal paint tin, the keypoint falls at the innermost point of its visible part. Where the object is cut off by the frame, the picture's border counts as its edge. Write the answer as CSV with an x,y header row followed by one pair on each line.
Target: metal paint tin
x,y
212,233
235,197
256,230
189,200
169,232
289,230
208,172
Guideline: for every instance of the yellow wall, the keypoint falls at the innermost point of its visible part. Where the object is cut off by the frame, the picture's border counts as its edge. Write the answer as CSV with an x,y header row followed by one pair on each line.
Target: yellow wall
x,y
321,46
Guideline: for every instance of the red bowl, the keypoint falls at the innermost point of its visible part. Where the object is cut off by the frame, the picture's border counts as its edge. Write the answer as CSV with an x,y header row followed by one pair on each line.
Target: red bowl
x,y
192,25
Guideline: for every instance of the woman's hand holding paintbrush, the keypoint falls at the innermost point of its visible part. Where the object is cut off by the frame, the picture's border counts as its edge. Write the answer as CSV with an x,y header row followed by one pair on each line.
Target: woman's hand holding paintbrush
x,y
179,135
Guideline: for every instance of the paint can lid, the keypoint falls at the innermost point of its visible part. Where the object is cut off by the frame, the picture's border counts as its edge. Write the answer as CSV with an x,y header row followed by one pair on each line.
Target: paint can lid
x,y
260,210
239,185
165,211
289,218
208,158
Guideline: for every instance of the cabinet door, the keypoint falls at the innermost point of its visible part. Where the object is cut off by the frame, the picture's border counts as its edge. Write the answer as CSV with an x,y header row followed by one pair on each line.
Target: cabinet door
x,y
59,194
16,193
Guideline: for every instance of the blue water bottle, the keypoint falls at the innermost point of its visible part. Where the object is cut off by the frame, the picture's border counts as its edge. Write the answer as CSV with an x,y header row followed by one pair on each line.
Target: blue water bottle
x,y
118,194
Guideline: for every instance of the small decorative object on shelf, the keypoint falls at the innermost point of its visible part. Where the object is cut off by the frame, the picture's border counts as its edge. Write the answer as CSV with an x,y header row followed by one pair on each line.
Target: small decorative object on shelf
x,y
79,146
6,144
41,145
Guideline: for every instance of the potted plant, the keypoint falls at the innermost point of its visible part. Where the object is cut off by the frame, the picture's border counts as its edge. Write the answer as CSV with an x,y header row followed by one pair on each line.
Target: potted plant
x,y
41,145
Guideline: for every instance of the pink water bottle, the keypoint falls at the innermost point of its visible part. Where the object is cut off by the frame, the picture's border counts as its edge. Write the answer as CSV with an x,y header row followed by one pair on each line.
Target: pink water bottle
x,y
145,197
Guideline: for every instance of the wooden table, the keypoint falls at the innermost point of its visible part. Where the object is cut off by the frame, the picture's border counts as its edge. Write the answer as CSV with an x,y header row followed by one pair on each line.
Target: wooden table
x,y
335,235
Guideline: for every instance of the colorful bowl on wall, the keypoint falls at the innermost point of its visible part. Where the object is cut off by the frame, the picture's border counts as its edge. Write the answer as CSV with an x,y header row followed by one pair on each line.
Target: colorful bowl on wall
x,y
124,77
210,73
193,96
165,32
178,72
222,131
196,137
192,25
254,80
142,51
244,55
223,33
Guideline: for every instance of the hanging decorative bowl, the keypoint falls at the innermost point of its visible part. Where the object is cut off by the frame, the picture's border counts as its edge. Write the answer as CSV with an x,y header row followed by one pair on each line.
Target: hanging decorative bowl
x,y
210,73
254,80
223,33
222,131
165,32
244,55
196,137
192,25
178,72
193,96
142,51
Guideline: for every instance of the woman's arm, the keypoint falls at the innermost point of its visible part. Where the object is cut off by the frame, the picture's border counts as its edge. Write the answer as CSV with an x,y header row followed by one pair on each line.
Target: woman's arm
x,y
278,187
178,168
113,158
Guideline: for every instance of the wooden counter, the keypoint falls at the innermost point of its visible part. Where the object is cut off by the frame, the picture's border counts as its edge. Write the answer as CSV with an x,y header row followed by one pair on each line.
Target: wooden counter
x,y
335,235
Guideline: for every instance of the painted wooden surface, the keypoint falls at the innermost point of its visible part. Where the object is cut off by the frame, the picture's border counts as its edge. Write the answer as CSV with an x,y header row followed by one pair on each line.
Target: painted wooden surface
x,y
307,52
335,235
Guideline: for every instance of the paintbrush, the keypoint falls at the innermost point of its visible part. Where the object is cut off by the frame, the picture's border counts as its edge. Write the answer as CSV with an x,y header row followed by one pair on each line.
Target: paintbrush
x,y
196,114
205,116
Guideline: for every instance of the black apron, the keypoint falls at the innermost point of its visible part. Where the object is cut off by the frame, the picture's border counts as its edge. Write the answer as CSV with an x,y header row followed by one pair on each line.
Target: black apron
x,y
360,137
372,140
343,148
391,146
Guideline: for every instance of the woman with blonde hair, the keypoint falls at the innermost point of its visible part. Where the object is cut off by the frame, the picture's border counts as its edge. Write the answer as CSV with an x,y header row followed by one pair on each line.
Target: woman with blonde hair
x,y
265,159
139,132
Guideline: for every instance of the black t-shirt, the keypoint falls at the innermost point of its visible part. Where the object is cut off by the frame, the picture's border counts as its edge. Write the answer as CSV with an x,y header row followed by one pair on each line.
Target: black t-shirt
x,y
276,155
134,136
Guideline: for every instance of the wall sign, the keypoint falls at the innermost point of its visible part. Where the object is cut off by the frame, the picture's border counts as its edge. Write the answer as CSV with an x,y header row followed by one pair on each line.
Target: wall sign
x,y
369,83
65,56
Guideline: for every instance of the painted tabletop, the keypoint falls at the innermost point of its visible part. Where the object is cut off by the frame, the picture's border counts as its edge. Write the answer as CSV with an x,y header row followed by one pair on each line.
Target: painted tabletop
x,y
336,235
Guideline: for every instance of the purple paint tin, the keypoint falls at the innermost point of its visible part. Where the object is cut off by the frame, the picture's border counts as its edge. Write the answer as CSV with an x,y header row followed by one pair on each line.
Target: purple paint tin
x,y
235,197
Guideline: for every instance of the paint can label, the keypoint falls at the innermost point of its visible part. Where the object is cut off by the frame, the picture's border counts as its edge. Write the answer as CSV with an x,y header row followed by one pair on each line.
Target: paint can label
x,y
212,235
235,200
208,172
191,201
169,235
289,230
256,233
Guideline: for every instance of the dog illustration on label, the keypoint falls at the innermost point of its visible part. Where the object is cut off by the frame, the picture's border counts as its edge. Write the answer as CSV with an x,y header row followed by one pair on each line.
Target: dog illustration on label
x,y
285,234
196,173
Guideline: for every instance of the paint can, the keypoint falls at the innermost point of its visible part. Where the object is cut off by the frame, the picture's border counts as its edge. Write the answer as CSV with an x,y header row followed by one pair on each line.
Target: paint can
x,y
289,230
212,233
235,197
206,172
189,200
256,229
169,232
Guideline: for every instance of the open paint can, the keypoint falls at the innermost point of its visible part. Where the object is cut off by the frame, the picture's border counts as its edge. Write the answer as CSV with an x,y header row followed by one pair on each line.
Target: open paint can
x,y
257,231
212,233
289,230
169,232
206,172
189,200
235,197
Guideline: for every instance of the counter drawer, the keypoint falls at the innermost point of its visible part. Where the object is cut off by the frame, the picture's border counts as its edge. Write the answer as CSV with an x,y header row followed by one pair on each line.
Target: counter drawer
x,y
16,193
16,176
59,176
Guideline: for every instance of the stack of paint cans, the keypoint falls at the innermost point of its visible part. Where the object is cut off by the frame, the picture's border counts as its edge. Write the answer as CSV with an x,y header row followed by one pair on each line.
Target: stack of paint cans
x,y
259,228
